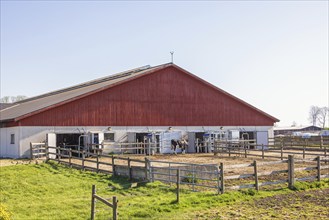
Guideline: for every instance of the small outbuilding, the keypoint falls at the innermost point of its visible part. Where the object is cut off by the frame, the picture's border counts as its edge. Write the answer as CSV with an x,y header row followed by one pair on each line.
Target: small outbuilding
x,y
296,129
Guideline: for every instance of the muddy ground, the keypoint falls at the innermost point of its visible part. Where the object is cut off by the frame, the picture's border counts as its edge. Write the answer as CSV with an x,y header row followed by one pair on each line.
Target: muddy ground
x,y
311,204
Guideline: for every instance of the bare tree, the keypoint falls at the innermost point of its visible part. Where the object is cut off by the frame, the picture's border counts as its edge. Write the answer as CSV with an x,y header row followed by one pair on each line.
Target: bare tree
x,y
9,99
313,114
323,116
5,99
17,98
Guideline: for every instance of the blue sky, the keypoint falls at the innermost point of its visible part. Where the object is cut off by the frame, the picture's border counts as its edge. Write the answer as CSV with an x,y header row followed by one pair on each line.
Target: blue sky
x,y
272,54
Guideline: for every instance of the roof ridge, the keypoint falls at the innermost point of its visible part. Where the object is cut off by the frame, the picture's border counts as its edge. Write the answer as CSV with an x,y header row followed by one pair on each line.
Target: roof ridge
x,y
89,83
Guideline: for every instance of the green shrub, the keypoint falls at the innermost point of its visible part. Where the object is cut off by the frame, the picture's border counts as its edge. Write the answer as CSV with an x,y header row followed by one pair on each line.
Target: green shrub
x,y
142,214
249,192
189,179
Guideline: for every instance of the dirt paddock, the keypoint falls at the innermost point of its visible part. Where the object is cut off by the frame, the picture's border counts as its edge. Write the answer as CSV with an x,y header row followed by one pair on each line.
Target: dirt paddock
x,y
197,158
205,158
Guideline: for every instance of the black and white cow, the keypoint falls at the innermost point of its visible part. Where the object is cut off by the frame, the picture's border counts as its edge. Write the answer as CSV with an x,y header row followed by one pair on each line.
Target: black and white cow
x,y
174,145
182,144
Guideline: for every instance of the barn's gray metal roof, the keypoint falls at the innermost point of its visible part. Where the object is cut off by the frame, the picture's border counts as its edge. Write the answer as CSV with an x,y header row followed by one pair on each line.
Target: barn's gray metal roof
x,y
37,103
5,105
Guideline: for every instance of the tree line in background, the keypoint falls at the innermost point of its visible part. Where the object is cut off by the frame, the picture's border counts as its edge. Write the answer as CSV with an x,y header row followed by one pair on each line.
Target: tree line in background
x,y
11,99
319,115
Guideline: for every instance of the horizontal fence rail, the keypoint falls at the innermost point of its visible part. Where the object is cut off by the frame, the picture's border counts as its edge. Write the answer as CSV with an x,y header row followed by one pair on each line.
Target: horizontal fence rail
x,y
146,148
268,151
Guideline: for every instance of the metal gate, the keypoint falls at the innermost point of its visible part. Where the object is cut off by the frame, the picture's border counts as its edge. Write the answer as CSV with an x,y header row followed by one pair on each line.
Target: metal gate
x,y
193,176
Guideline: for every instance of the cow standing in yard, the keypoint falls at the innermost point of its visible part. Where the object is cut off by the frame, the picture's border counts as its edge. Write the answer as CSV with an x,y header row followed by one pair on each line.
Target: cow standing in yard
x,y
174,145
183,144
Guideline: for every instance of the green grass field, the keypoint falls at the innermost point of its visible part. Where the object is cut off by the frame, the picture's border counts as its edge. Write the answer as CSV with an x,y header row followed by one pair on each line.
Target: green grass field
x,y
52,191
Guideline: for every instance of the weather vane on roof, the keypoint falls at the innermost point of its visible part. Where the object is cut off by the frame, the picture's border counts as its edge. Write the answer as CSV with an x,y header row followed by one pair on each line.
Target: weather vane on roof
x,y
172,56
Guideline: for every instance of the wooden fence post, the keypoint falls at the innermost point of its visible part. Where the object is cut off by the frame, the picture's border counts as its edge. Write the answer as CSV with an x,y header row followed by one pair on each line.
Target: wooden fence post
x,y
256,175
245,152
291,172
83,160
229,150
281,150
47,153
149,147
31,151
151,174
318,165
216,149
59,154
38,153
129,169
222,178
93,192
70,157
177,184
146,168
218,180
115,208
304,151
113,165
193,177
321,142
97,162
263,151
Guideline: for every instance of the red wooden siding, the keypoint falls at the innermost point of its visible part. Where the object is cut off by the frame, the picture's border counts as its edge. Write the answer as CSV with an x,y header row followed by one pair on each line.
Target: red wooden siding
x,y
168,97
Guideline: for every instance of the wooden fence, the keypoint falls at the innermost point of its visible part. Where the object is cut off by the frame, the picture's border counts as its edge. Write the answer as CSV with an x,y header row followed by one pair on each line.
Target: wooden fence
x,y
220,178
268,151
113,205
198,177
296,170
146,148
314,141
118,165
37,150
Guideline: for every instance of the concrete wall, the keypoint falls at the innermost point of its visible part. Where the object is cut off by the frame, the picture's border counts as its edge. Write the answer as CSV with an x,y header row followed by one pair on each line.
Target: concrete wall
x,y
25,135
136,172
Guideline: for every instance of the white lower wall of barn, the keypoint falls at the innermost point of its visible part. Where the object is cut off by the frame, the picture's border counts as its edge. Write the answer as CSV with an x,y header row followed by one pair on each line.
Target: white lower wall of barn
x,y
7,147
25,135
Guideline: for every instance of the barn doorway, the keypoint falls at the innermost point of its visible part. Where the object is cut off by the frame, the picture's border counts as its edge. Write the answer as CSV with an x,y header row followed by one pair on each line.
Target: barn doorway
x,y
157,141
195,142
249,135
72,141
141,137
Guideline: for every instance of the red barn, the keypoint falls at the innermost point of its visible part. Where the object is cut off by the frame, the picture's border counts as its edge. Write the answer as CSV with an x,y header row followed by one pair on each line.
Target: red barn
x,y
142,100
